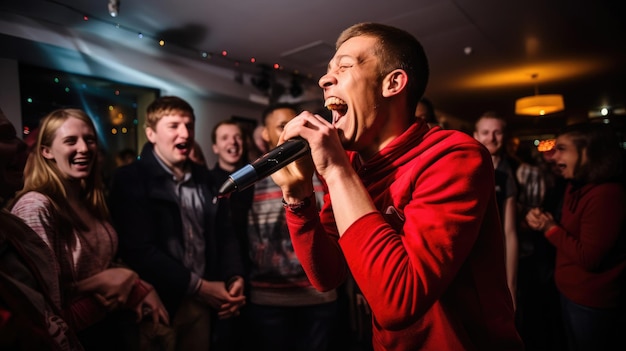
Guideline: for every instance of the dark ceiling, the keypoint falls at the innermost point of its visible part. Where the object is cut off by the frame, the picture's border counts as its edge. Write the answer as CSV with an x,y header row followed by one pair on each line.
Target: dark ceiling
x,y
482,52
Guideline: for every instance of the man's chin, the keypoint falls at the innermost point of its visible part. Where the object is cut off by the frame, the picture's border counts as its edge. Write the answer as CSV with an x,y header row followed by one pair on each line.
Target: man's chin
x,y
235,161
181,161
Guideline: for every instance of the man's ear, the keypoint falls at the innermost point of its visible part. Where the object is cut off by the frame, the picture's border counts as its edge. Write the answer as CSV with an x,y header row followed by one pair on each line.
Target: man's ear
x,y
394,82
265,135
150,135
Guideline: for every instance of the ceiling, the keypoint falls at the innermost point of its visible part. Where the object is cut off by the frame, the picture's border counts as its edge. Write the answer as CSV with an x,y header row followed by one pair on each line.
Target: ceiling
x,y
482,53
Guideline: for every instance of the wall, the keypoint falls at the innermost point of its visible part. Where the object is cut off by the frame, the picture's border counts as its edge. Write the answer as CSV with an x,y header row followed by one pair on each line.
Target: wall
x,y
212,91
208,110
10,92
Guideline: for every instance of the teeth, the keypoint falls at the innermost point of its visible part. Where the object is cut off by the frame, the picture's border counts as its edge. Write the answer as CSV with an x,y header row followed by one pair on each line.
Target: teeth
x,y
334,103
181,146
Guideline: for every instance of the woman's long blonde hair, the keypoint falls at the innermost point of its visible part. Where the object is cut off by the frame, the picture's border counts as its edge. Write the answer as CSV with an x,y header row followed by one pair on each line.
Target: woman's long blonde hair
x,y
42,175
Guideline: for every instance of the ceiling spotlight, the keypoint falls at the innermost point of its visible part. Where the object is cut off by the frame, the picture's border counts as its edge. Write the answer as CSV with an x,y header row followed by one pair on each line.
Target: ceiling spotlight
x,y
263,81
114,7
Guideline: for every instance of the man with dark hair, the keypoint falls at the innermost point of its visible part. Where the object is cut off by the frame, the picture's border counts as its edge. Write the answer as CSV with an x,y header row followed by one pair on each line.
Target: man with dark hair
x,y
228,144
284,311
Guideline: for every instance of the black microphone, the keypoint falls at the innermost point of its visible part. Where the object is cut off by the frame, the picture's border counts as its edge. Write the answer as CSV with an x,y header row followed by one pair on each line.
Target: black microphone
x,y
265,165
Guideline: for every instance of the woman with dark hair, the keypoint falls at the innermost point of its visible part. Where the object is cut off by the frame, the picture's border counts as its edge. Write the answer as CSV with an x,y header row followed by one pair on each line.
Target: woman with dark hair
x,y
589,239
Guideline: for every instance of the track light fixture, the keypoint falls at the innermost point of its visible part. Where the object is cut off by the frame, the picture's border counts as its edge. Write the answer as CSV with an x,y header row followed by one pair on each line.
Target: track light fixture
x,y
263,81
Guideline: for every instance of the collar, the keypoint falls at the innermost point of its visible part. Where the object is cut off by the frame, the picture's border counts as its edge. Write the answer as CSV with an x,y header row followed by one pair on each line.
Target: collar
x,y
186,169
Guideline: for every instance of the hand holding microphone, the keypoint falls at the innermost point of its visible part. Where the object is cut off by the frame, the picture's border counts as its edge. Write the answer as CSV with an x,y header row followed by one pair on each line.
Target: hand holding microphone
x,y
265,165
305,126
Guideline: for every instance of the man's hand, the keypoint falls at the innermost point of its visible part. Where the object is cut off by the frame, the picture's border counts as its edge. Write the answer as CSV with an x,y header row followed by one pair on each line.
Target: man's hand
x,y
235,289
215,295
152,305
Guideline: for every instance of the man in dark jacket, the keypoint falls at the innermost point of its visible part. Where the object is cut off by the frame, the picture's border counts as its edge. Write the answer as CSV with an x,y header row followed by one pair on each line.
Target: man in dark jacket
x,y
174,231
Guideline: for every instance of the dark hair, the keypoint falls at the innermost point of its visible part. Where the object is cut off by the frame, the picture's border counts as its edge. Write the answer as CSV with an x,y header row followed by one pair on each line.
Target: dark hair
x,y
396,49
268,110
221,123
600,144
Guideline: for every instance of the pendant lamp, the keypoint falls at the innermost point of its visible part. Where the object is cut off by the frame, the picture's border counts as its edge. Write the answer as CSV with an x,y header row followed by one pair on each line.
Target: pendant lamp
x,y
539,105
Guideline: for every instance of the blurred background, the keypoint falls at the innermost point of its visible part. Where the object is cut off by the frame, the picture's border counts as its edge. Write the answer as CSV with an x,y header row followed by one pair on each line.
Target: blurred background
x,y
230,58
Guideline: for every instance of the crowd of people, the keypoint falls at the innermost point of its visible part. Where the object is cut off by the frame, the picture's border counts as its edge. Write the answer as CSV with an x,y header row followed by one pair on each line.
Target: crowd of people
x,y
393,234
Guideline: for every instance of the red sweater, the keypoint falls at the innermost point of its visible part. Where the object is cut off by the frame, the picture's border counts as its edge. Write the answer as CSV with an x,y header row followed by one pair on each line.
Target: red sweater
x,y
591,245
430,262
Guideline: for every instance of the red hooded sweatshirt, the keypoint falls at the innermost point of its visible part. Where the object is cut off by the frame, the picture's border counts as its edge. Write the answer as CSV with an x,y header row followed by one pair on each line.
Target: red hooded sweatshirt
x,y
430,261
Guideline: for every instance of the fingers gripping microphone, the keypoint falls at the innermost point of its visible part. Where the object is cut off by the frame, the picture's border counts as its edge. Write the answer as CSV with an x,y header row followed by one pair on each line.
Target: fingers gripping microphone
x,y
265,165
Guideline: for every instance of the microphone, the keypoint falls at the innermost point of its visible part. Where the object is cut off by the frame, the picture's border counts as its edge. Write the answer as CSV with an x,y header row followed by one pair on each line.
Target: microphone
x,y
265,165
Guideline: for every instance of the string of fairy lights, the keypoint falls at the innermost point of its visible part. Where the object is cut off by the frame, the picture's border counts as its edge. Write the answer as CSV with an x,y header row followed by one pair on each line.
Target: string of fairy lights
x,y
215,56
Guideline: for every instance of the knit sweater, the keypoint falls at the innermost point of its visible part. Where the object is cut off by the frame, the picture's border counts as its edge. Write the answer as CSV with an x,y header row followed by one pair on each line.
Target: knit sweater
x,y
276,276
93,253
590,245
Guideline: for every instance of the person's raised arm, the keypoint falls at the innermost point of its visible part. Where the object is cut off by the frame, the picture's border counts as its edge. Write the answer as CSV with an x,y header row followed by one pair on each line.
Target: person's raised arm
x,y
349,197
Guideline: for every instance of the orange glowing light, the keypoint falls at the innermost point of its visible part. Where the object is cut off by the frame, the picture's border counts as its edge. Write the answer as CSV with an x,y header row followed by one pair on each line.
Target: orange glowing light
x,y
546,145
520,76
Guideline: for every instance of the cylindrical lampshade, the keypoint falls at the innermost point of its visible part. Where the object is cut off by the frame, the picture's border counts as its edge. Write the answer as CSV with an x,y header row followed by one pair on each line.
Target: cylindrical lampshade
x,y
539,105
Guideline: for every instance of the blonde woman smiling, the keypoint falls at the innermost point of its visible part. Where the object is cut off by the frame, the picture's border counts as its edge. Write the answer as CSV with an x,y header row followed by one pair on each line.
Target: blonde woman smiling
x,y
63,201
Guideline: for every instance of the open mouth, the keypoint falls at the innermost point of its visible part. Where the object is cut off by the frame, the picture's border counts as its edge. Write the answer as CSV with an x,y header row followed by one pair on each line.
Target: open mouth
x,y
81,162
337,105
181,146
233,151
